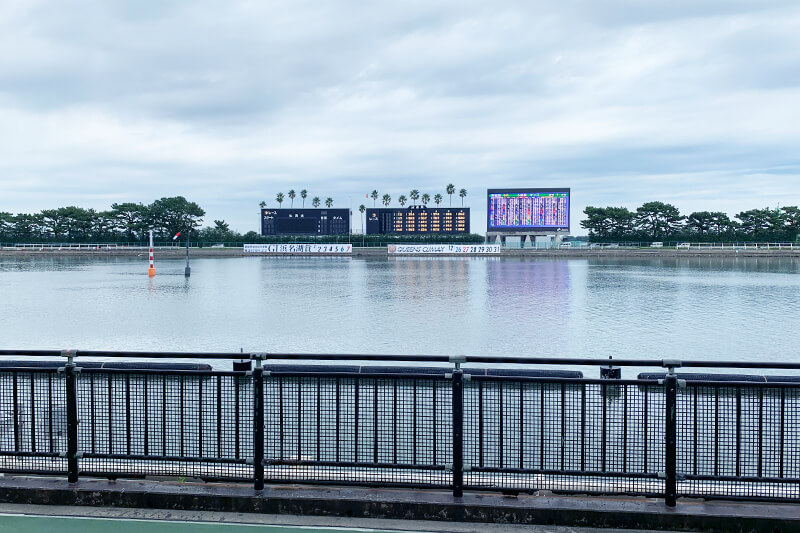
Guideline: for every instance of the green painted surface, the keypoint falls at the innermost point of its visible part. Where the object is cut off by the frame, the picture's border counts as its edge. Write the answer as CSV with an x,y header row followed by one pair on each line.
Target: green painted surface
x,y
47,524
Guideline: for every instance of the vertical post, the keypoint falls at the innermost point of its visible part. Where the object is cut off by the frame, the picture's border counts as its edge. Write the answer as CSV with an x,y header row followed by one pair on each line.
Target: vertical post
x,y
258,420
188,270
71,375
671,437
458,428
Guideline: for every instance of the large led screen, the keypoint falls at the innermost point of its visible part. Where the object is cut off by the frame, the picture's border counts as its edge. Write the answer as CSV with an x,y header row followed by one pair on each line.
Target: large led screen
x,y
528,209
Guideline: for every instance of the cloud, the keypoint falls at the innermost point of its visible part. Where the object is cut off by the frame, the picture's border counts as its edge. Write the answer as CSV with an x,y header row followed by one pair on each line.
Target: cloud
x,y
228,103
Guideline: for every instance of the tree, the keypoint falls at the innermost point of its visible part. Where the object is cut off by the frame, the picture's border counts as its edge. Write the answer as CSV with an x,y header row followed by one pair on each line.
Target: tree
x,y
402,200
710,225
328,202
220,232
82,223
450,190
658,220
791,220
129,218
262,204
437,198
304,195
608,223
168,216
279,198
386,200
315,201
462,193
700,223
27,227
53,223
414,195
755,223
361,210
292,196
426,198
721,224
70,223
104,227
374,196
6,225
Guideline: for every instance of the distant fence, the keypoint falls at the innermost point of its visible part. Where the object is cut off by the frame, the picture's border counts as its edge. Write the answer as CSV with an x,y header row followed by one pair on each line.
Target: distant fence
x,y
356,240
88,246
690,245
447,427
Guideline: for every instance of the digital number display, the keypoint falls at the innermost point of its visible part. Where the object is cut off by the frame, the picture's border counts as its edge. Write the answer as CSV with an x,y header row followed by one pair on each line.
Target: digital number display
x,y
384,220
305,221
528,209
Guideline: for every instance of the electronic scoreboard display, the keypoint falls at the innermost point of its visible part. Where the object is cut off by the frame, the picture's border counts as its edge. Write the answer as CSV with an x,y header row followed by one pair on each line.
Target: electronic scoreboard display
x,y
417,219
305,221
528,209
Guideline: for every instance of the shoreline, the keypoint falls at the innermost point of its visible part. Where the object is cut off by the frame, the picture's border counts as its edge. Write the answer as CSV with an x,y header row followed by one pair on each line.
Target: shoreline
x,y
382,252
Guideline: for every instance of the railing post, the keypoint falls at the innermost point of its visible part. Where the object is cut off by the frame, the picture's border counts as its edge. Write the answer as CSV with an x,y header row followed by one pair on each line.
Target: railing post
x,y
71,375
458,427
258,420
671,434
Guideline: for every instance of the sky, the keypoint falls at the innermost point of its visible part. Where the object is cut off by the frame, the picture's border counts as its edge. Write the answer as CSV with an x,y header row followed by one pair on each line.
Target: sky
x,y
230,102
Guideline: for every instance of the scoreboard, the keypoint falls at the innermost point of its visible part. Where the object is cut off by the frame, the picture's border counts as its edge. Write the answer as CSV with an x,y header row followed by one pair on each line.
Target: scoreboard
x,y
417,219
305,221
528,209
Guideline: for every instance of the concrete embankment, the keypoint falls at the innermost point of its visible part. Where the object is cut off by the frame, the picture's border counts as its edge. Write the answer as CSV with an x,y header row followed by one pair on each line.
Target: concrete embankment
x,y
382,252
438,506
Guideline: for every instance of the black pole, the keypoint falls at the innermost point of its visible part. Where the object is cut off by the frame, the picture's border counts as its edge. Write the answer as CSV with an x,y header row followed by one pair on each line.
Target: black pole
x,y
458,432
258,422
72,417
671,441
188,271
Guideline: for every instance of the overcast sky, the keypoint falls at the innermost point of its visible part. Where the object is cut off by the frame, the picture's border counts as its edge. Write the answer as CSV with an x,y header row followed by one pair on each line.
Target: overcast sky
x,y
692,102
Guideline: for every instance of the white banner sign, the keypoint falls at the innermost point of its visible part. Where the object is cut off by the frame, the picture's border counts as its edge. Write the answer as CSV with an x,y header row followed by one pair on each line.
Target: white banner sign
x,y
298,248
444,249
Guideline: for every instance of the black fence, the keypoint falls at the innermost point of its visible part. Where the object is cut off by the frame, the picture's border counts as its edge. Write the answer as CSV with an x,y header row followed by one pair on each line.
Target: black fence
x,y
517,430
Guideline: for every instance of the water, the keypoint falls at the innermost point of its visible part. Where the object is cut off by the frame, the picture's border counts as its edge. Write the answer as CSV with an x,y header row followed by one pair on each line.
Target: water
x,y
700,308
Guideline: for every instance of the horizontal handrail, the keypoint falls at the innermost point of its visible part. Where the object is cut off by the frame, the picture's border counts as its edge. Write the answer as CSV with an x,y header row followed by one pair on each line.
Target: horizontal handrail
x,y
408,358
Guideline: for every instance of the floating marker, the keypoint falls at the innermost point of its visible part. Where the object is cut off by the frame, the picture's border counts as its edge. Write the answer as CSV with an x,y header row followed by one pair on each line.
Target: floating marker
x,y
151,271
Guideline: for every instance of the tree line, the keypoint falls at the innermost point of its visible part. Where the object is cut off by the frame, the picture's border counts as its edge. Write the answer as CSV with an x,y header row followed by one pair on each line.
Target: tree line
x,y
659,221
414,195
652,221
386,199
292,194
124,222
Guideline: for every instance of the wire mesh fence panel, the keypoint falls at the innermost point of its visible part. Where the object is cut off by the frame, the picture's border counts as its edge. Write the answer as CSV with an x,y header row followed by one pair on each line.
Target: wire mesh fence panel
x,y
357,430
568,436
739,441
732,439
32,421
174,424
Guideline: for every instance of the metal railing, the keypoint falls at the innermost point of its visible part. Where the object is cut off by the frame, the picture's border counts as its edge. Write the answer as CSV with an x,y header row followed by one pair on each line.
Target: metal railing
x,y
510,430
691,245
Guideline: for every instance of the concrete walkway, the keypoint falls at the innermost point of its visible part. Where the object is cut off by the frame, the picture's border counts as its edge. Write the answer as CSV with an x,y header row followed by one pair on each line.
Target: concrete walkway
x,y
211,517
399,509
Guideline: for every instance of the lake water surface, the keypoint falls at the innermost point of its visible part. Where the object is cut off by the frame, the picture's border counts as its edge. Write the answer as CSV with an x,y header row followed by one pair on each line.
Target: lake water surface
x,y
700,308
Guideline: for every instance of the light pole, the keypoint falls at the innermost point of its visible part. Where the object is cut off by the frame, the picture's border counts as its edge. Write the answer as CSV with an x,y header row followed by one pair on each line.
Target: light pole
x,y
188,271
